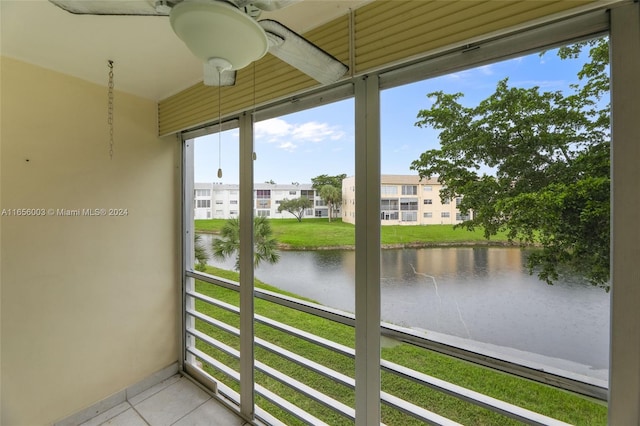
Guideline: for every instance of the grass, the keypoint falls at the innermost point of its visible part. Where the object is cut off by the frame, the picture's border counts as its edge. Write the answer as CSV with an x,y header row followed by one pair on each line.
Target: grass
x,y
534,396
316,233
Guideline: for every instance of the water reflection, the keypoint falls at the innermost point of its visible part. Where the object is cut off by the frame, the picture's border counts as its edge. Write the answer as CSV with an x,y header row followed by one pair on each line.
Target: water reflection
x,y
483,294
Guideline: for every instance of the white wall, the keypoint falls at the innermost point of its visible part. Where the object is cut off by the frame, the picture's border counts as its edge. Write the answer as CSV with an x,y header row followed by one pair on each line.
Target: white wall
x,y
90,305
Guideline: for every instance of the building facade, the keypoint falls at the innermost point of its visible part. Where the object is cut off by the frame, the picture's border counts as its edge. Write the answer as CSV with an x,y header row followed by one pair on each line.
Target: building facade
x,y
405,200
221,201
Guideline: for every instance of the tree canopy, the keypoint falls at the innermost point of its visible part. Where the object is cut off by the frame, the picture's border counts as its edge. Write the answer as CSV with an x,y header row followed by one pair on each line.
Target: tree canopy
x,y
533,163
322,180
296,206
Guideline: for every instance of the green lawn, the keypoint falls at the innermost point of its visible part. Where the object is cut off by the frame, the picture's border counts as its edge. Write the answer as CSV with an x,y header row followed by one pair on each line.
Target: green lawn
x,y
313,233
543,399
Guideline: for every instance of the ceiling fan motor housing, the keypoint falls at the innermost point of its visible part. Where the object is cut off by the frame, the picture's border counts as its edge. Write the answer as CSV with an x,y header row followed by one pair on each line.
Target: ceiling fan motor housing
x,y
218,32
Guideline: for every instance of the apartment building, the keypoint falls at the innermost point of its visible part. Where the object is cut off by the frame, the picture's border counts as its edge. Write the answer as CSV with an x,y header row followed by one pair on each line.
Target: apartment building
x,y
405,200
220,201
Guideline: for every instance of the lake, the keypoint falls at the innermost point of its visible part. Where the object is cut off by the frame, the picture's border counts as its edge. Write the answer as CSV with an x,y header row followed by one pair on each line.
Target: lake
x,y
481,295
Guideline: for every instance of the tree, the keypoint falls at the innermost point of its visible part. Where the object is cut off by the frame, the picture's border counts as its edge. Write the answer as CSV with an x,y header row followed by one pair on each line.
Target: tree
x,y
264,242
322,180
335,197
332,196
200,253
296,206
549,153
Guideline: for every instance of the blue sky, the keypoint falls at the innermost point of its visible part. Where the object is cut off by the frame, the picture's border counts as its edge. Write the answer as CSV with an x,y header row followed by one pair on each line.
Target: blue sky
x,y
300,146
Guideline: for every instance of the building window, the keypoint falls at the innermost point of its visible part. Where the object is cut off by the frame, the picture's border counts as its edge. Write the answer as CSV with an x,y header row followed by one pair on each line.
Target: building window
x,y
427,215
320,203
409,216
218,202
308,212
427,188
408,204
307,193
409,189
203,204
458,201
428,201
445,214
388,215
446,201
389,190
389,204
203,193
233,201
263,213
263,204
292,192
461,217
263,193
233,212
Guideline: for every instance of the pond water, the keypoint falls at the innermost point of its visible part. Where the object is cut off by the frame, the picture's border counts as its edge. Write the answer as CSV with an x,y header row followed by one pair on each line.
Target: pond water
x,y
483,295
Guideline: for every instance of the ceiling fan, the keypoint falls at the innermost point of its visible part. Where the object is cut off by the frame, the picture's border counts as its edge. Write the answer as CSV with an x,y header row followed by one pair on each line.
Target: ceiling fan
x,y
225,34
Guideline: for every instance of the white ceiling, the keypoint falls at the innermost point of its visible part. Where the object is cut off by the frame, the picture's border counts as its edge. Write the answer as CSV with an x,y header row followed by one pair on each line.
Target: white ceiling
x,y
149,60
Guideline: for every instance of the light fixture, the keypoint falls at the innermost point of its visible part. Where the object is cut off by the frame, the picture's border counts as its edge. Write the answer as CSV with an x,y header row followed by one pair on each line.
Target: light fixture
x,y
218,33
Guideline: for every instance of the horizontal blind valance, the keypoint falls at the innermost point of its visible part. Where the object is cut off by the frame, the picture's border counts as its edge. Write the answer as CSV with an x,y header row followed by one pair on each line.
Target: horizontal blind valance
x,y
384,32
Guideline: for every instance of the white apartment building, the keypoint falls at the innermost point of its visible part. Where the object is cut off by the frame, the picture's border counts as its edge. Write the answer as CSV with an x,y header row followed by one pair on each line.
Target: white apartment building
x,y
221,201
405,200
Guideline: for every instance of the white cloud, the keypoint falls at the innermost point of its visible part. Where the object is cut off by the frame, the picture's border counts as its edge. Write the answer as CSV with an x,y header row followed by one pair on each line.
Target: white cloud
x,y
271,130
486,70
289,136
288,146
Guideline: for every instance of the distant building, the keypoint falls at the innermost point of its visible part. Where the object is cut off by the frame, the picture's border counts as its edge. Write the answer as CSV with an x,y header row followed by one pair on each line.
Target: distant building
x,y
221,201
405,200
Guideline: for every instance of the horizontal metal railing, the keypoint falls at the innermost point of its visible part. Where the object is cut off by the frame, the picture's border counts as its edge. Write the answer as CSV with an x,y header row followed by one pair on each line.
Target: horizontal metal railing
x,y
399,333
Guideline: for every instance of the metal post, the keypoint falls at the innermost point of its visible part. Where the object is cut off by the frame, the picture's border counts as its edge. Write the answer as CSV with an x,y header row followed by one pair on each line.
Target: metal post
x,y
624,370
188,256
367,139
246,267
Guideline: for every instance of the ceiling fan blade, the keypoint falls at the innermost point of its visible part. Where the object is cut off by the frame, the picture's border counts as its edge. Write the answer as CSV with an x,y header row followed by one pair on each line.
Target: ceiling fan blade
x,y
117,7
272,4
213,78
302,54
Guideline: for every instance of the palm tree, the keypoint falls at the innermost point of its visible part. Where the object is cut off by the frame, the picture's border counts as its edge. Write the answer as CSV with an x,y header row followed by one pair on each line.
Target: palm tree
x,y
332,196
264,243
200,253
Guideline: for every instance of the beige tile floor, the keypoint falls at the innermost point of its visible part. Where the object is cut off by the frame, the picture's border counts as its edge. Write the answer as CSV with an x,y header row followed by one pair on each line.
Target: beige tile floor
x,y
174,402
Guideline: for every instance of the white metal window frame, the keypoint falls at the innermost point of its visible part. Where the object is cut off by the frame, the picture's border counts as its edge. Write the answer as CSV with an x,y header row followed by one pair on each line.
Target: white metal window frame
x,y
624,21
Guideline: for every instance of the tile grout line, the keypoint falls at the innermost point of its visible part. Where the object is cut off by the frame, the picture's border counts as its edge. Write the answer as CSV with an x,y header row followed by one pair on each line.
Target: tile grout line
x,y
128,399
207,400
140,415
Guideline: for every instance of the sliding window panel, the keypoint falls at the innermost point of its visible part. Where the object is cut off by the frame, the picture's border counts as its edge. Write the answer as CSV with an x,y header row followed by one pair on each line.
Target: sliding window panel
x,y
212,229
473,164
305,262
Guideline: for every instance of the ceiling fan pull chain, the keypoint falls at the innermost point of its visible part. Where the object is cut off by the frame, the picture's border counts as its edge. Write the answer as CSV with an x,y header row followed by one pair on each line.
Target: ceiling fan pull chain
x,y
219,124
110,109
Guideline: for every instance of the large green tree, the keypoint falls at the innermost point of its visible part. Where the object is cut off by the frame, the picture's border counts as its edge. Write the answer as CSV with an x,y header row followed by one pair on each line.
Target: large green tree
x,y
322,180
329,188
532,163
295,206
265,244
